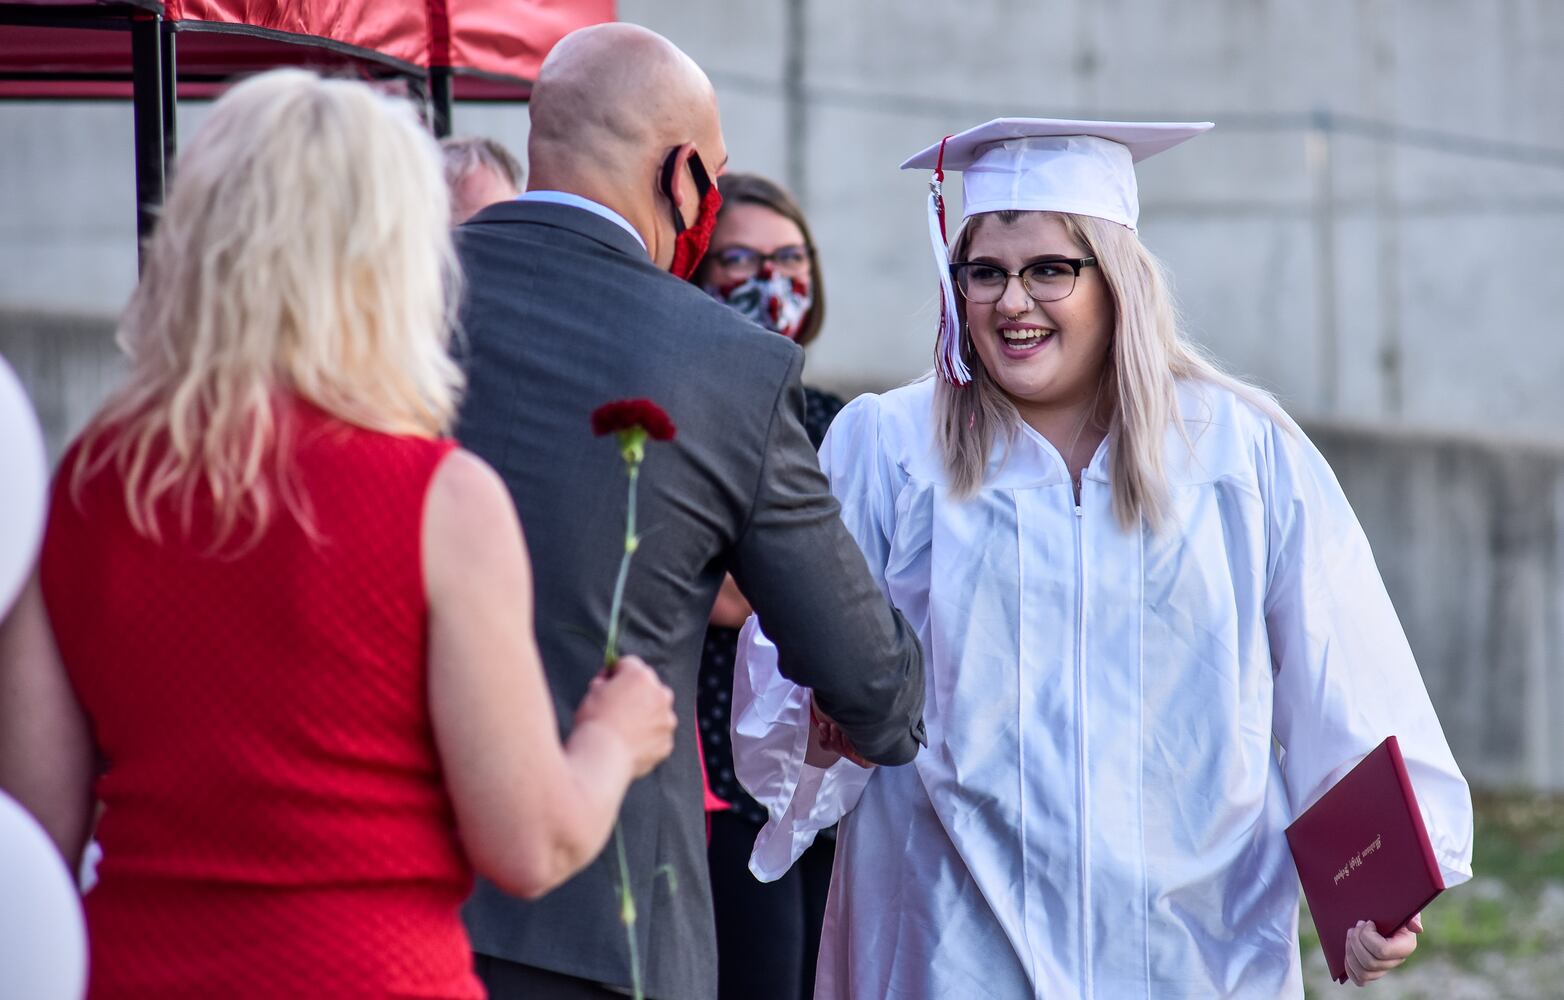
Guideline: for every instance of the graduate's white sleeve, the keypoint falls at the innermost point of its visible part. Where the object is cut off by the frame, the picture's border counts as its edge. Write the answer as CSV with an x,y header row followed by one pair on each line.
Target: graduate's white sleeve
x,y
1344,674
771,713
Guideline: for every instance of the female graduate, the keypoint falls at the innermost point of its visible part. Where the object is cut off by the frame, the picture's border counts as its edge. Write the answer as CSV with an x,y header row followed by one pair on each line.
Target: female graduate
x,y
1154,630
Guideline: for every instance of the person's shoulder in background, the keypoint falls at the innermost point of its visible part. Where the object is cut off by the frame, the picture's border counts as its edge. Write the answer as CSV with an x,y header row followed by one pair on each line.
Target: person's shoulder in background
x,y
820,408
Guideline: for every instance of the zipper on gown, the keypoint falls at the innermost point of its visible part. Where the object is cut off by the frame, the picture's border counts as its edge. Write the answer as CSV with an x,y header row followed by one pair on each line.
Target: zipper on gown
x,y
1082,785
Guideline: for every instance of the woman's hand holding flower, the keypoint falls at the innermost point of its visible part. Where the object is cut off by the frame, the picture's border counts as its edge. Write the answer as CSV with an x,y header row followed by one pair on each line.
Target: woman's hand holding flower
x,y
633,704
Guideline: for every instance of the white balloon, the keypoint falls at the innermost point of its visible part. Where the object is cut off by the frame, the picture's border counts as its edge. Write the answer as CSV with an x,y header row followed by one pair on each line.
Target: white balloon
x,y
43,938
24,486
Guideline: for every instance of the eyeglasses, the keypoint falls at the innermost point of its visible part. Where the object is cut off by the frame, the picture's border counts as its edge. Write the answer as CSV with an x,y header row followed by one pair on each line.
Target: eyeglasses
x,y
745,262
1042,280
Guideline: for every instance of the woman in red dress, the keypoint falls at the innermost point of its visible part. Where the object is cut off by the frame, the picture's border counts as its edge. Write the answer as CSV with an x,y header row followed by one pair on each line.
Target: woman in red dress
x,y
296,661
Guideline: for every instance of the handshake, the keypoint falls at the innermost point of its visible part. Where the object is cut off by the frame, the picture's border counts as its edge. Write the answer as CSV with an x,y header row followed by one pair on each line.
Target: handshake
x,y
827,742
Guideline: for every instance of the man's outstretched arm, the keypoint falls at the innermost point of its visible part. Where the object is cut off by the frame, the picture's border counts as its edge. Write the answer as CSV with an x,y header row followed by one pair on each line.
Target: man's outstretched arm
x,y
807,580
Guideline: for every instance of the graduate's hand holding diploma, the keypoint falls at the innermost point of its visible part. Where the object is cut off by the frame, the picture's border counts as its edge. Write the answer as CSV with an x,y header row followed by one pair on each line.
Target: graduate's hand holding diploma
x,y
827,742
1370,955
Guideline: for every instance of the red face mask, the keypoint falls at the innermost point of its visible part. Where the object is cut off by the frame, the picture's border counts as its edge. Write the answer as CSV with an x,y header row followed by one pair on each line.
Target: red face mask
x,y
690,242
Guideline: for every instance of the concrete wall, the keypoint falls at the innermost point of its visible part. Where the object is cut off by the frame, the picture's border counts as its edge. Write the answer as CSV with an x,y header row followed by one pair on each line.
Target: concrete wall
x,y
1400,274
1467,536
67,363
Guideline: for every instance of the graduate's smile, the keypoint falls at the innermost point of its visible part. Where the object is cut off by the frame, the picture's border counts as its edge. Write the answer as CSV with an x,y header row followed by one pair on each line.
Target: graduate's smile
x,y
1019,341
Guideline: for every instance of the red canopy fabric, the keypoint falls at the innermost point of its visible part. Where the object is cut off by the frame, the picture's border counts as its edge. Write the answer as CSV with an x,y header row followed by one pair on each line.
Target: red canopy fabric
x,y
492,47
489,43
104,6
393,29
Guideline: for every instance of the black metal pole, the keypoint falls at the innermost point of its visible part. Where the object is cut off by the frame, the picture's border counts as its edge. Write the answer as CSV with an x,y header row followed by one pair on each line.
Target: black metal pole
x,y
440,100
170,78
146,50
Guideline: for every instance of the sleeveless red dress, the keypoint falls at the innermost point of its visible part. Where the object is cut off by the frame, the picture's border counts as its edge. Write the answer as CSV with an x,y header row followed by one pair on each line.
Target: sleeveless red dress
x,y
274,824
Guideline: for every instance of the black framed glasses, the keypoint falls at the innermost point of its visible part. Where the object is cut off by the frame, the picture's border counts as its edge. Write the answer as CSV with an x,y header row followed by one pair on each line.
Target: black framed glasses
x,y
1046,280
745,262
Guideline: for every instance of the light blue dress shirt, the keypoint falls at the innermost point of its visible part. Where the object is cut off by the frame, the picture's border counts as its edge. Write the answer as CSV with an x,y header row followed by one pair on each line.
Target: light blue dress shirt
x,y
576,201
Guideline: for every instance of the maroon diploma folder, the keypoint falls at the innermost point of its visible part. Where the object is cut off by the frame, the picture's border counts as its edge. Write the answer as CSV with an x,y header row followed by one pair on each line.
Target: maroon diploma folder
x,y
1363,854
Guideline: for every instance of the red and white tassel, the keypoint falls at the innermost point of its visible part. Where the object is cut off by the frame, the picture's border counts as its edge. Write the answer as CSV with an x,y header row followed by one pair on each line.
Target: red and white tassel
x,y
948,362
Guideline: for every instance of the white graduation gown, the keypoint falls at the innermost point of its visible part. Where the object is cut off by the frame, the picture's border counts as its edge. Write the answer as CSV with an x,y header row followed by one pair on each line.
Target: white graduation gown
x,y
1120,723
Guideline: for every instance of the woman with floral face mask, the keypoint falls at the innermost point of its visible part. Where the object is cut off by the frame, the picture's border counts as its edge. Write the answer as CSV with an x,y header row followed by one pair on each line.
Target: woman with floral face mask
x,y
763,263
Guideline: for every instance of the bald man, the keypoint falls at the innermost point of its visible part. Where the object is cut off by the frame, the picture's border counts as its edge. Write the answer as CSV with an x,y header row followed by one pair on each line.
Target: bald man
x,y
570,304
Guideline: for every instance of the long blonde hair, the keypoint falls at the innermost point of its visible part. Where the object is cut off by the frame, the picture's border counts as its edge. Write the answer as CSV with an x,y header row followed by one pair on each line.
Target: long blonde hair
x,y
1147,357
304,251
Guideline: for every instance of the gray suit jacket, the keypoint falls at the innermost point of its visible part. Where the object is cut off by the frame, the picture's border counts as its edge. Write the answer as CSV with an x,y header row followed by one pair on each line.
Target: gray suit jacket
x,y
563,311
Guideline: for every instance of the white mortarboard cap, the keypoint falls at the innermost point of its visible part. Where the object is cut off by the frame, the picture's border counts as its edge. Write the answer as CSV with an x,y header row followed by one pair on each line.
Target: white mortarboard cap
x,y
1037,165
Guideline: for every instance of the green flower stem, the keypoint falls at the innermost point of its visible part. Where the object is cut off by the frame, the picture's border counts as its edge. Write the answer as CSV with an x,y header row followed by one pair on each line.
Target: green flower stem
x,y
627,914
611,649
632,447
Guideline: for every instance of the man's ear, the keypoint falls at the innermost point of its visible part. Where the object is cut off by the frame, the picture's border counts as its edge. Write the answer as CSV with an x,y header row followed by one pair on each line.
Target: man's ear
x,y
677,170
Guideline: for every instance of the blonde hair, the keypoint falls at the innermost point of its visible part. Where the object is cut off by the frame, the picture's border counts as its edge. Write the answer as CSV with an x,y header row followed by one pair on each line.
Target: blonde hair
x,y
304,252
1147,357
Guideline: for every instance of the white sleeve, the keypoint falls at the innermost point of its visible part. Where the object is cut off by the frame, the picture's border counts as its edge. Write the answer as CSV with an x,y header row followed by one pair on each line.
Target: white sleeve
x,y
771,713
1344,674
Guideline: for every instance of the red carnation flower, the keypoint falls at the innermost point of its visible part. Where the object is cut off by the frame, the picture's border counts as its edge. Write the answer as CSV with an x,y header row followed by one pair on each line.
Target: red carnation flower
x,y
628,414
